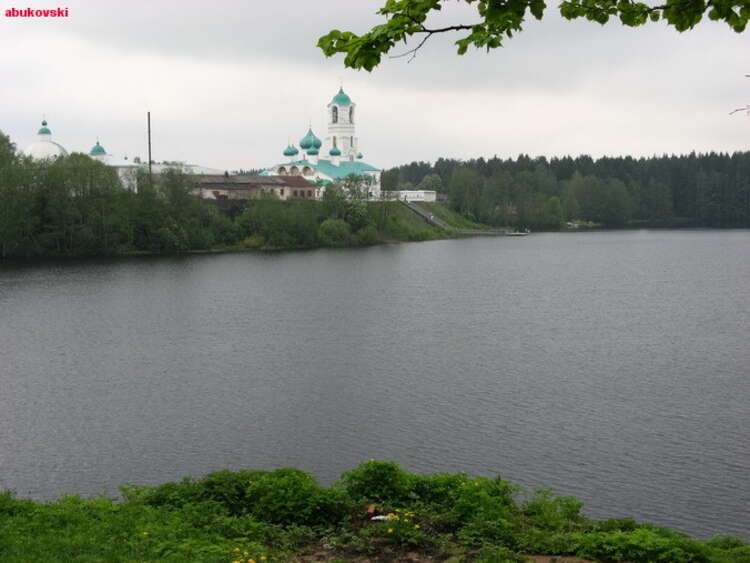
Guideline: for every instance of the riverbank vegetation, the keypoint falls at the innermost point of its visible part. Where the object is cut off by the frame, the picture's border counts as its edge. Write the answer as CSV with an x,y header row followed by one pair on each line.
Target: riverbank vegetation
x,y
376,512
75,206
698,190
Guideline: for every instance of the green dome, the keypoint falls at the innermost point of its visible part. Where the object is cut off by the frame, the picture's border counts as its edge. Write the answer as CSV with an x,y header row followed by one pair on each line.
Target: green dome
x,y
334,151
359,155
97,150
44,130
312,150
310,140
290,151
341,98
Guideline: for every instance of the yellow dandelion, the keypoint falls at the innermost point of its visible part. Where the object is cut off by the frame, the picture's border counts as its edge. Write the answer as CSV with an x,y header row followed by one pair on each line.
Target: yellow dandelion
x,y
236,550
417,526
263,558
251,561
246,554
390,530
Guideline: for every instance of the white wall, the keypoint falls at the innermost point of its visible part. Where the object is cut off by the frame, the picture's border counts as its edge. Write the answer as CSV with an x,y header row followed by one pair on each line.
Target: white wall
x,y
415,195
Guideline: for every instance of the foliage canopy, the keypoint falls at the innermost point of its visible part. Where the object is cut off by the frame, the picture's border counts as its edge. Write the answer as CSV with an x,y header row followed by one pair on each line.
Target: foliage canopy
x,y
498,20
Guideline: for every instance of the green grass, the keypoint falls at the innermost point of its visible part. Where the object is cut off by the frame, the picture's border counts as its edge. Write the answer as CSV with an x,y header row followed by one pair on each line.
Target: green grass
x,y
264,516
405,225
453,218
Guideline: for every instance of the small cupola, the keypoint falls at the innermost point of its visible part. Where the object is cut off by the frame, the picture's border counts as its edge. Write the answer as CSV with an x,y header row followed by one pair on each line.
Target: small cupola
x,y
341,99
97,150
44,130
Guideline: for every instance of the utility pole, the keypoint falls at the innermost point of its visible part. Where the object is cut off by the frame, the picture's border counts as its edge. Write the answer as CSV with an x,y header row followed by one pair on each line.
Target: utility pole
x,y
150,179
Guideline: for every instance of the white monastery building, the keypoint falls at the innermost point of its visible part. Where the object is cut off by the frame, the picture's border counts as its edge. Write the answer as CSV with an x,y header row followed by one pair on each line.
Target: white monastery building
x,y
127,170
335,158
44,147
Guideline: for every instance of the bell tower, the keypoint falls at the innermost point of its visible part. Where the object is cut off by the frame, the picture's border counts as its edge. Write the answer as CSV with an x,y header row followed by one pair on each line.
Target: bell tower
x,y
341,134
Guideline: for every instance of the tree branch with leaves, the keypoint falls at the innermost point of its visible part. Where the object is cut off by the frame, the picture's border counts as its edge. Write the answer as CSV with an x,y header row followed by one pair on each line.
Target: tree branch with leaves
x,y
498,20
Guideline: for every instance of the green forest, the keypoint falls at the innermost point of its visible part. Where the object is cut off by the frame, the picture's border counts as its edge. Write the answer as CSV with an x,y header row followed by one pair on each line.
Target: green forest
x,y
697,190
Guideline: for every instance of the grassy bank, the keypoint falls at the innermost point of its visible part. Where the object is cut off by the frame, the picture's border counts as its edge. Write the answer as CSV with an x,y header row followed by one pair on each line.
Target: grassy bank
x,y
376,512
443,212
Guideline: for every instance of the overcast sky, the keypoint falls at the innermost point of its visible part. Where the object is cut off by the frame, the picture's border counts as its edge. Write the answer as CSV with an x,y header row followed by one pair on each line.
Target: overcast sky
x,y
229,82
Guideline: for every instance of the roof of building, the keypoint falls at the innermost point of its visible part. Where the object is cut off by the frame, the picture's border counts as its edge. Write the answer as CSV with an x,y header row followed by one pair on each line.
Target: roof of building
x,y
42,150
335,151
245,182
97,150
290,150
345,168
295,181
341,98
45,148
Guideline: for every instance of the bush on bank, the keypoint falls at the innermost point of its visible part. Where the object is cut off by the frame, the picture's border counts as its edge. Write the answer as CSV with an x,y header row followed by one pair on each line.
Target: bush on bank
x,y
258,516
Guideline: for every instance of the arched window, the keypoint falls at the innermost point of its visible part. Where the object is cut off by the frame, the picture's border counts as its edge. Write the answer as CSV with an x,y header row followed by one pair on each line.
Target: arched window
x,y
335,114
282,171
306,171
294,193
351,114
294,171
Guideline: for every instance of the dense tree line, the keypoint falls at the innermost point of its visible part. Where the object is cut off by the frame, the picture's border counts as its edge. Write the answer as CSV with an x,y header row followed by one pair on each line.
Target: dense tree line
x,y
76,206
710,190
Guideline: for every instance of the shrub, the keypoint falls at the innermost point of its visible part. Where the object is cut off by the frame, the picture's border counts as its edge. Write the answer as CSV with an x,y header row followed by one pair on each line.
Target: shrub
x,y
554,513
485,499
725,542
488,531
402,531
541,541
439,491
377,481
640,546
366,236
291,496
253,241
228,488
334,232
615,525
497,554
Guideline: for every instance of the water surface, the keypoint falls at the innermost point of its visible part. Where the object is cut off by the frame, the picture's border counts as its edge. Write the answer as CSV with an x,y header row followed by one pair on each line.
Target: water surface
x,y
613,366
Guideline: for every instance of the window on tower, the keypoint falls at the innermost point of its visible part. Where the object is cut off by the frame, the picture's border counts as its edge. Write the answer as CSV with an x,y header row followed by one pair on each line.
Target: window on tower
x,y
335,114
351,115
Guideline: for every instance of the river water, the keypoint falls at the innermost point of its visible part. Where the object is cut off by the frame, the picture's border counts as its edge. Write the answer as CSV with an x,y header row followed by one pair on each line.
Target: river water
x,y
614,366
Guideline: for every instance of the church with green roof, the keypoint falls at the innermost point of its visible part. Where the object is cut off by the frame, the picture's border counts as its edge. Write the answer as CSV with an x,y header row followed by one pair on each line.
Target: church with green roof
x,y
336,157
